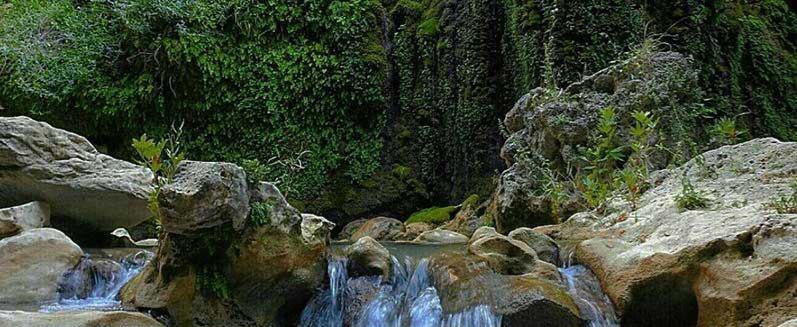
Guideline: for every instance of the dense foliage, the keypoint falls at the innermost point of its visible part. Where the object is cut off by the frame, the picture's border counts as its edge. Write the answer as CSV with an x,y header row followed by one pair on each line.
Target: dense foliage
x,y
370,106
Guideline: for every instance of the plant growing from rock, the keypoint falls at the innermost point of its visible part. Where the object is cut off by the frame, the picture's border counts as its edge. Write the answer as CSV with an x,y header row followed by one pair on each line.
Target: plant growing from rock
x,y
786,204
690,198
636,172
162,158
726,132
601,161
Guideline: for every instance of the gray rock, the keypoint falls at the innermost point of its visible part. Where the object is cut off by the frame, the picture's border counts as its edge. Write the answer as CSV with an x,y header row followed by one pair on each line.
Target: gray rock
x,y
504,255
413,230
367,257
351,228
281,214
544,246
724,265
42,163
515,203
77,319
23,217
482,232
441,236
316,229
32,263
381,229
204,195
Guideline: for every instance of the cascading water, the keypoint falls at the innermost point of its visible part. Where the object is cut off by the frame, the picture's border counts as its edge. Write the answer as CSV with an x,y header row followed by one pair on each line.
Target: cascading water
x,y
407,299
584,288
95,283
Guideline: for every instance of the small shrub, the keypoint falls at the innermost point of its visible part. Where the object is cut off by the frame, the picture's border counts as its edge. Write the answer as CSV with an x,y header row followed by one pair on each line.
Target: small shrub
x,y
785,204
689,198
725,132
211,281
162,158
260,213
601,161
433,215
255,171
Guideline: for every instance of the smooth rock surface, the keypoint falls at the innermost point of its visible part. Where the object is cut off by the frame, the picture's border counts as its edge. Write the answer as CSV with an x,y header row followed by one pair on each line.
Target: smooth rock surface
x,y
16,219
544,246
441,236
351,228
31,264
504,255
43,163
76,319
367,257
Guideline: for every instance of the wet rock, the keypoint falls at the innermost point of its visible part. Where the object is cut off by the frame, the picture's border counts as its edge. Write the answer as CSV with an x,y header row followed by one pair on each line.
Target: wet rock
x,y
505,255
32,262
316,229
413,230
204,195
380,229
466,281
482,232
730,264
358,294
350,228
14,220
89,274
215,268
544,246
441,236
42,163
367,257
77,319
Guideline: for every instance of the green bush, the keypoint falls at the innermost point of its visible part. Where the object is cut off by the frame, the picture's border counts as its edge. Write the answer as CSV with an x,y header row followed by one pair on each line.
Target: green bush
x,y
433,215
690,198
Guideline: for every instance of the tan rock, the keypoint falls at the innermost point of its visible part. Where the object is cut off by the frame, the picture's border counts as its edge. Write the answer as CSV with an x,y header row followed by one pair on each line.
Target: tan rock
x,y
77,319
23,217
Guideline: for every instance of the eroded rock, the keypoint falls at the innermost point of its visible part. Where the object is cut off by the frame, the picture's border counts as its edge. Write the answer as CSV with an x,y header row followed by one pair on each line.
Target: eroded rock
x,y
77,319
367,257
441,236
544,246
16,219
380,229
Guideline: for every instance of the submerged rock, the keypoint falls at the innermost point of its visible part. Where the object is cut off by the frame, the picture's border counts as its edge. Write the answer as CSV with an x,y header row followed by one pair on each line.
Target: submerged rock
x,y
218,266
31,264
23,217
441,236
544,246
43,163
730,264
380,229
77,319
367,257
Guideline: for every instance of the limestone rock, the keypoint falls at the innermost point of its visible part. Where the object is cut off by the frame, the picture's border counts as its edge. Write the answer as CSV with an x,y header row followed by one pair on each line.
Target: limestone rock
x,y
42,163
77,319
32,262
441,236
544,246
380,229
730,264
281,214
204,195
469,216
23,217
316,229
505,255
482,232
413,230
367,257
351,228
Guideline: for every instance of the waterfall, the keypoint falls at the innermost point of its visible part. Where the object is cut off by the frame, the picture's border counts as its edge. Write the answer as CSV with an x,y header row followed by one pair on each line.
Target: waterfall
x,y
95,283
408,298
585,289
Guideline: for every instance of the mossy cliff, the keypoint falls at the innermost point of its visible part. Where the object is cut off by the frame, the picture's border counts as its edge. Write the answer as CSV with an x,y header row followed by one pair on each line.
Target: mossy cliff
x,y
364,107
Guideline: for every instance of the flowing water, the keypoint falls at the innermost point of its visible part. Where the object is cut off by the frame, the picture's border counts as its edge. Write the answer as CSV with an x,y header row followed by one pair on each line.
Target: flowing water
x,y
95,283
410,299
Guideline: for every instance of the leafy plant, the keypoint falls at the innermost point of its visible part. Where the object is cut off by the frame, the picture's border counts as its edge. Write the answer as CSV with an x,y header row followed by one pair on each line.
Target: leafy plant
x,y
260,213
162,158
602,161
690,198
786,204
636,172
726,132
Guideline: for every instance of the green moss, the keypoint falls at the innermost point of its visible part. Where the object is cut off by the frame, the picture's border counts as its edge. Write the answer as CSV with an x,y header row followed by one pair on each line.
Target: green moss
x,y
428,27
472,200
402,172
433,215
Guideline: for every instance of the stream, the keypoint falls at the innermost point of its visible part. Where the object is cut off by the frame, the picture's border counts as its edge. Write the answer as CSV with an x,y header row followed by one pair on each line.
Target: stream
x,y
97,280
409,298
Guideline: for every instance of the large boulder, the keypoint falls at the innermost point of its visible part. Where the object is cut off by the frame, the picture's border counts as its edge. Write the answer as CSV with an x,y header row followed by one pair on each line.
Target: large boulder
x,y
367,257
43,163
32,263
380,229
504,255
544,246
219,265
23,217
77,319
516,203
413,230
731,263
349,229
466,281
441,236
204,195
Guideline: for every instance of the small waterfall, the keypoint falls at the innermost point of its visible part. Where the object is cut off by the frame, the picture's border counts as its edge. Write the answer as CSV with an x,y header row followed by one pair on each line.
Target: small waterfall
x,y
407,299
585,289
95,283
